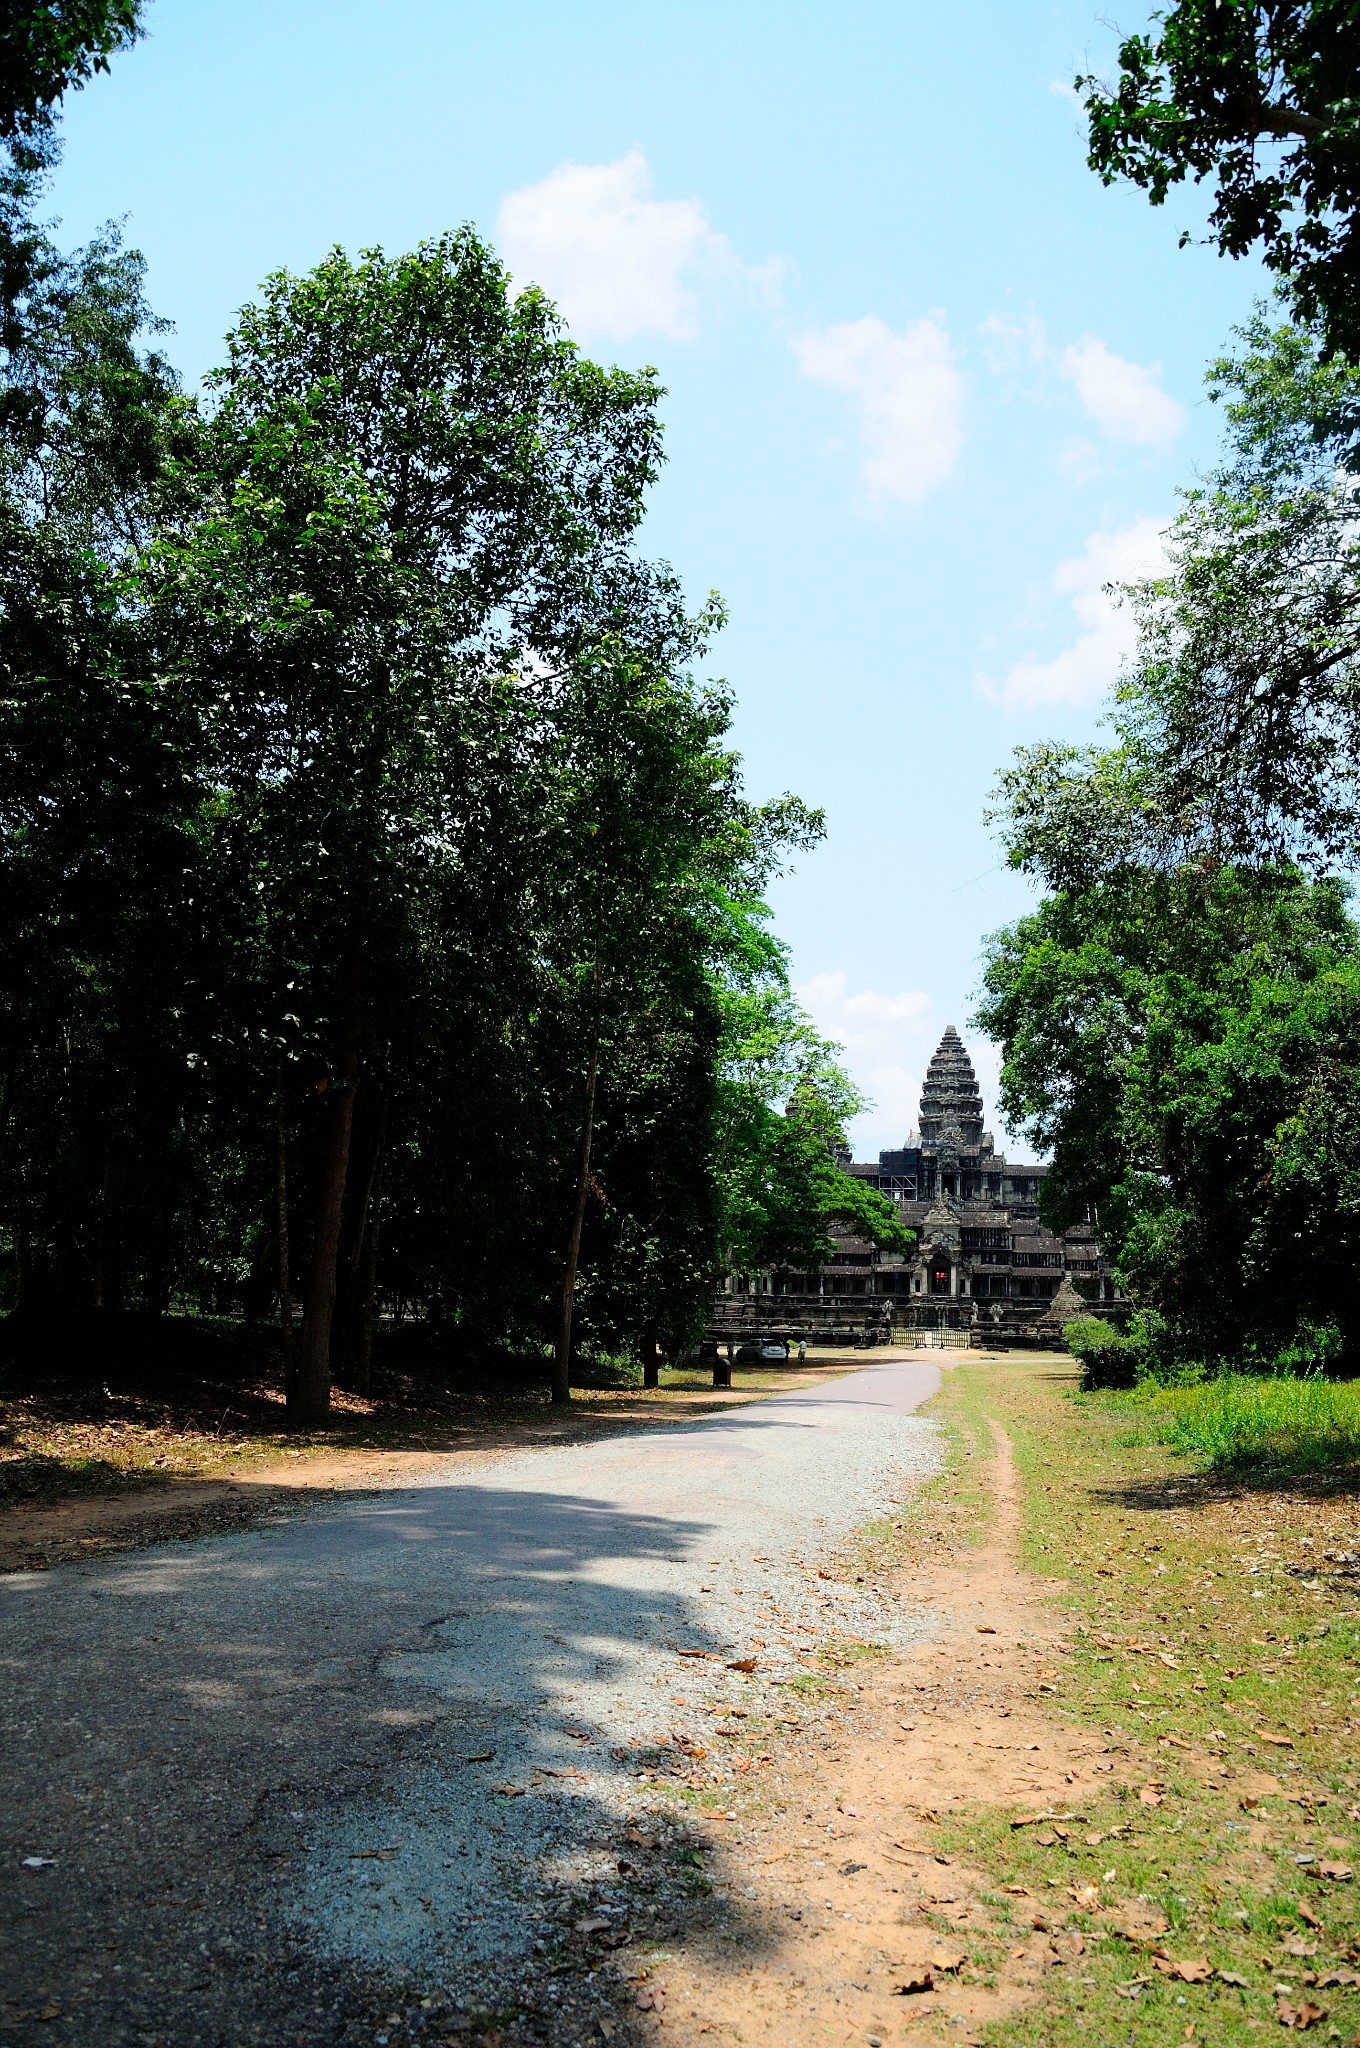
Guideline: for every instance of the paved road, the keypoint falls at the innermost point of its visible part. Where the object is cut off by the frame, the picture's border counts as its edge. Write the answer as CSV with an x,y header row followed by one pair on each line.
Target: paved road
x,y
258,1770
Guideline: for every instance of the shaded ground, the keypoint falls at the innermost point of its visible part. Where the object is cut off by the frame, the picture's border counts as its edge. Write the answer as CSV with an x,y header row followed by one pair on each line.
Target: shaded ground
x,y
425,1742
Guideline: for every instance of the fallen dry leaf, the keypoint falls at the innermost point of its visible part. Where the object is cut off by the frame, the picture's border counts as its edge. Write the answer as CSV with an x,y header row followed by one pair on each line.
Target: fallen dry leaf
x,y
1087,1896
509,1791
1195,1971
1149,1795
914,1981
1340,1873
1304,2014
742,1664
984,1628
947,1959
651,1998
1279,1742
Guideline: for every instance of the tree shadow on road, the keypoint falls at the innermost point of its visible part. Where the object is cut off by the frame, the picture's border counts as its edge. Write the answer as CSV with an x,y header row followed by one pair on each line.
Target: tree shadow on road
x,y
278,1775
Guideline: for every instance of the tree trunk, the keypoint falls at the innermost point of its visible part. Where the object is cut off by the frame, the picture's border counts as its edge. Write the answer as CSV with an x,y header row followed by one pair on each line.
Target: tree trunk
x,y
311,1404
363,1360
359,1265
561,1384
281,1233
23,1260
108,1266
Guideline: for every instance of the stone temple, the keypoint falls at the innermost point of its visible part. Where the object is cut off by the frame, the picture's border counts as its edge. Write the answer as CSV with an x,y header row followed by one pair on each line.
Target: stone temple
x,y
983,1261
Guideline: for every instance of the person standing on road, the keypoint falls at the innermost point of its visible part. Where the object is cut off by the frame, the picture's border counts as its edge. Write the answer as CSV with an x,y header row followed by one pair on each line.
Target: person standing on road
x,y
802,1350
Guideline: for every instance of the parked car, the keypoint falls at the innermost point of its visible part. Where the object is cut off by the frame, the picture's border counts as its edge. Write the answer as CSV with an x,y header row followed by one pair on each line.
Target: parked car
x,y
756,1352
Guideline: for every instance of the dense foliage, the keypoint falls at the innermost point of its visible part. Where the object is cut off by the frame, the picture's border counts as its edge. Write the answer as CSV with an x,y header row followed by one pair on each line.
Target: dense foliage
x,y
1262,96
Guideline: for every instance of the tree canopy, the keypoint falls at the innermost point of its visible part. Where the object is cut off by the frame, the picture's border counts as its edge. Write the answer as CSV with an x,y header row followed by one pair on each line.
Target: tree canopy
x,y
1236,723
1262,97
373,945
49,46
1177,1015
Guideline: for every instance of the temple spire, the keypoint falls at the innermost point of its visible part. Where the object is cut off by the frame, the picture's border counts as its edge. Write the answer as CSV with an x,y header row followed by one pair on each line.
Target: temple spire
x,y
951,1101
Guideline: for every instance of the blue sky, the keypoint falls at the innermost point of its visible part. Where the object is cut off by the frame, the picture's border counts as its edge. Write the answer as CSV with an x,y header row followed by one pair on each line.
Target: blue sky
x,y
930,385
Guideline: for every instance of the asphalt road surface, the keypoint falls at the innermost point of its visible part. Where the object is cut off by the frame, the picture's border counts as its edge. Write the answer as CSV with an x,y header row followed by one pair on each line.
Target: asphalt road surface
x,y
271,1787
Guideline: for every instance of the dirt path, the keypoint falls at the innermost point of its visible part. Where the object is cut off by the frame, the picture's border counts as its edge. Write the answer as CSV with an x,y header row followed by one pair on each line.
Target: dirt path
x,y
753,1728
857,1902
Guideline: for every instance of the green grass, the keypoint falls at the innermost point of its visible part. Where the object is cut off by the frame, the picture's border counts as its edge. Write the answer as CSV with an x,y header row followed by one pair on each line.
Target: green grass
x,y
1188,1636
1240,1422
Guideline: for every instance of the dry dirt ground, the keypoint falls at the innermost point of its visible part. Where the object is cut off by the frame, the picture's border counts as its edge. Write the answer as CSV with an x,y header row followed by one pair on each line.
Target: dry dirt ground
x,y
876,1924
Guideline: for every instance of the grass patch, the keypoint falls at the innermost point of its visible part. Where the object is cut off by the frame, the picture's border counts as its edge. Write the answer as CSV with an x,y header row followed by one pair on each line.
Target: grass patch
x,y
1241,1422
1223,1678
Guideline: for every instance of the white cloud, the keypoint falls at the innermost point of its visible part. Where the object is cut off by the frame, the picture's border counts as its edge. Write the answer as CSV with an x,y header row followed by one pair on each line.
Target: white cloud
x,y
1090,665
888,1040
617,262
1125,399
908,393
1079,460
1011,345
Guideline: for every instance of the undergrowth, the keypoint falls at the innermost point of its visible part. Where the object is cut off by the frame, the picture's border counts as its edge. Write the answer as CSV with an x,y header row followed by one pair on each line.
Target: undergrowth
x,y
1242,1422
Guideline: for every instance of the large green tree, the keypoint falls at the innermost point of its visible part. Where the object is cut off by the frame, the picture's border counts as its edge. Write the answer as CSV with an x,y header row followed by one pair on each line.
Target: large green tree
x,y
1176,1040
49,46
1177,1015
1236,724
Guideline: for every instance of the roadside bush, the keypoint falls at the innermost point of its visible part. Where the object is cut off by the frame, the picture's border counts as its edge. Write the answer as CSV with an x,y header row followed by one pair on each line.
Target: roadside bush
x,y
1108,1358
604,1371
1277,1422
1315,1347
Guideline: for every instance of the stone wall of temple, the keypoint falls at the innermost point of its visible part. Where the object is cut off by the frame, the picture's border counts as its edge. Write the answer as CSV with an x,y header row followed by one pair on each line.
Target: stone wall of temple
x,y
983,1261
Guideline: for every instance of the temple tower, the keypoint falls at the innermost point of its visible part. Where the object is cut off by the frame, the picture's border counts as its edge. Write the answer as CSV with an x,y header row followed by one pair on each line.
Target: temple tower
x,y
951,1101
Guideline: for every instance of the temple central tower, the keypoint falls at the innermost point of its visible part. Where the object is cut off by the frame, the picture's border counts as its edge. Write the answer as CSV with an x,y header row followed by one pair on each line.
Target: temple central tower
x,y
951,1101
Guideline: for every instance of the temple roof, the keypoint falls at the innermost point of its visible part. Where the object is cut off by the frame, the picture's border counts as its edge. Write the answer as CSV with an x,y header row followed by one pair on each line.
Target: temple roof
x,y
951,1101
